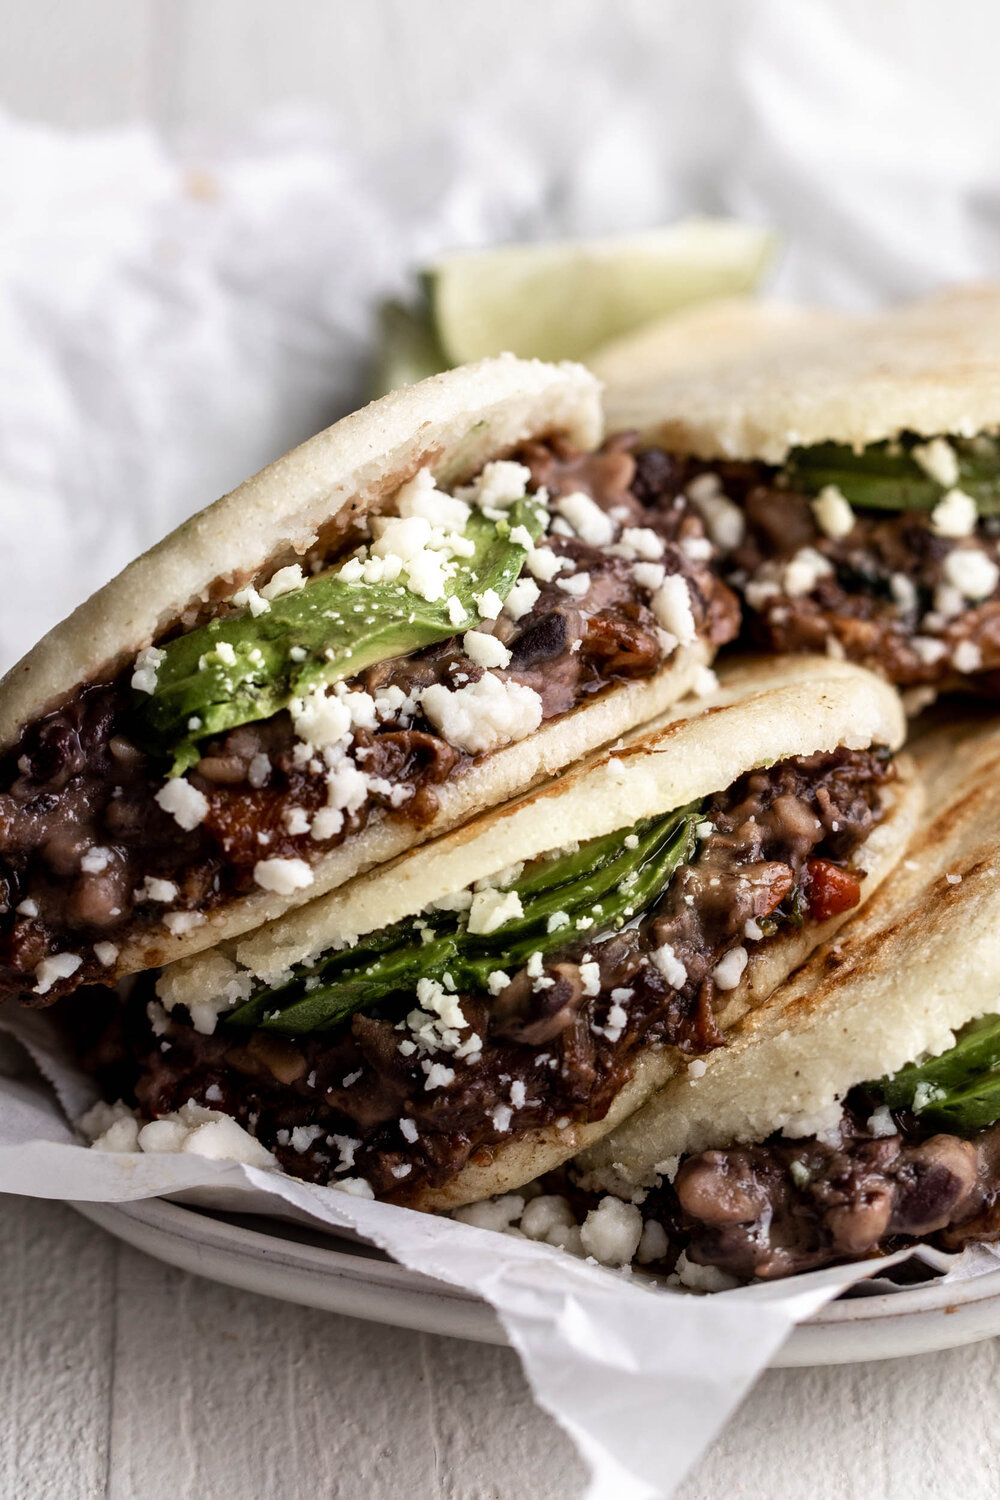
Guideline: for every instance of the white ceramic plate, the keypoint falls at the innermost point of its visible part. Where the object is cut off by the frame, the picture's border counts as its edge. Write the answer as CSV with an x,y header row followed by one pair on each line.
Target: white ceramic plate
x,y
317,1269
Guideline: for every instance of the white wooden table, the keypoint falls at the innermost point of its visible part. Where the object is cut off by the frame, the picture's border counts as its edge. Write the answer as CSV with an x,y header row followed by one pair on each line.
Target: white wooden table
x,y
122,1378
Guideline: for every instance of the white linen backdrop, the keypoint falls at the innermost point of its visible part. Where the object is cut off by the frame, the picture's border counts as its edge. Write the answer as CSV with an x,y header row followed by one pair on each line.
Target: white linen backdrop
x,y
179,306
171,317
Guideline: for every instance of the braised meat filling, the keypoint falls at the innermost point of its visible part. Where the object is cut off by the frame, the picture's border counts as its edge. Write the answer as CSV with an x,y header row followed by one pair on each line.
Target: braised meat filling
x,y
557,1039
913,594
90,858
876,1185
882,595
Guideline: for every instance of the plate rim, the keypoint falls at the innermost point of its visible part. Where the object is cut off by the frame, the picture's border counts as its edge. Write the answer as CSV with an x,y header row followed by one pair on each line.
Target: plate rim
x,y
213,1244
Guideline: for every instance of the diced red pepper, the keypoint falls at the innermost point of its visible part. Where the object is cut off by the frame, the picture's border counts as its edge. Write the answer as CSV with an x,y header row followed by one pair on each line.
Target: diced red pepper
x,y
829,889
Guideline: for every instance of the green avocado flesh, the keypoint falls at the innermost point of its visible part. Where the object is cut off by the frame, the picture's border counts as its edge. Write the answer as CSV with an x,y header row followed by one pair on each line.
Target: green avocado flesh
x,y
599,887
326,631
886,476
958,1091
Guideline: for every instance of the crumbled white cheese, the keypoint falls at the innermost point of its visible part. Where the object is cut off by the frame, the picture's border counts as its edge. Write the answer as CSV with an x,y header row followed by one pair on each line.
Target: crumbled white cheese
x,y
492,1213
496,981
522,598
121,1134
320,719
671,604
178,923
577,584
285,581
904,593
95,860
833,513
938,460
421,497
967,657
51,970
949,601
402,537
27,908
881,1123
438,1076
192,1129
543,1214
499,485
355,1187
484,714
616,1022
590,977
724,521
729,970
501,1117
408,1130
259,770
929,649
491,909
646,543
489,604
752,930
801,575
557,921
670,966
702,1278
185,803
544,564
971,572
147,664
954,515
704,487
698,548
296,821
649,575
428,575
283,876
485,650
248,598
588,520
611,1232
106,953
156,889
653,1243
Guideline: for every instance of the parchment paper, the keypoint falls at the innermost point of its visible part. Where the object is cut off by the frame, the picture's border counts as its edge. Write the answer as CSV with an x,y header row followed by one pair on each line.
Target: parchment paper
x,y
171,319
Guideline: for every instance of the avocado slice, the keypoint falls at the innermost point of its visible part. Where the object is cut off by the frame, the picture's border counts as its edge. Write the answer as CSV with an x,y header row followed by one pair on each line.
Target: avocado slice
x,y
886,476
958,1091
599,887
240,668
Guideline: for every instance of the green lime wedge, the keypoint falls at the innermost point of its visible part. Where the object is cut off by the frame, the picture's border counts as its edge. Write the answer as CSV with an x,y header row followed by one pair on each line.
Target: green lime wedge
x,y
561,299
408,349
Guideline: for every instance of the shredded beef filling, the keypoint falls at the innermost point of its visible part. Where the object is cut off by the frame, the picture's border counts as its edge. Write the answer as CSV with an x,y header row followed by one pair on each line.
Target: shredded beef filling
x,y
884,597
787,1206
88,856
556,1046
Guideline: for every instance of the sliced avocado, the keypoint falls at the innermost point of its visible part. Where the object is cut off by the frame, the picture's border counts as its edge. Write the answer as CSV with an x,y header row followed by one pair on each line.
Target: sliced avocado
x,y
240,668
957,1091
603,885
408,349
886,476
